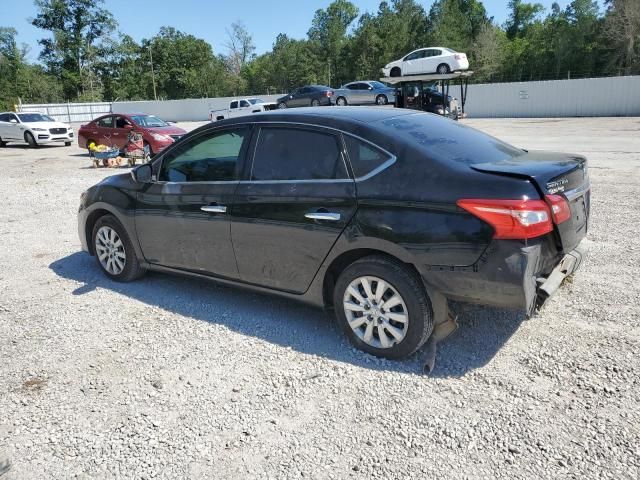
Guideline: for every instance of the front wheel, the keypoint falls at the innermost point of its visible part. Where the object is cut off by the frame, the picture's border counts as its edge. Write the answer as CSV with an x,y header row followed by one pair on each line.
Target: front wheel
x,y
282,105
29,138
114,250
315,103
395,72
383,307
381,100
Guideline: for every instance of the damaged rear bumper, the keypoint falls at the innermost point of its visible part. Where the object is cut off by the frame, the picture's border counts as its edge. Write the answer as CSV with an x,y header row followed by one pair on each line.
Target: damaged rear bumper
x,y
509,274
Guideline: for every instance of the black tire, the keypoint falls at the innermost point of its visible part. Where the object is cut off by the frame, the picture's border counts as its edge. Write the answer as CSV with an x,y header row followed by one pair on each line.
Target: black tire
x,y
408,285
315,102
382,100
132,269
29,138
396,72
443,69
67,144
341,102
282,105
2,143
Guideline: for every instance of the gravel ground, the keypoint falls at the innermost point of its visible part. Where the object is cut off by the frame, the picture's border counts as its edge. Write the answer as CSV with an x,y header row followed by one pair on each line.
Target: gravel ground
x,y
175,378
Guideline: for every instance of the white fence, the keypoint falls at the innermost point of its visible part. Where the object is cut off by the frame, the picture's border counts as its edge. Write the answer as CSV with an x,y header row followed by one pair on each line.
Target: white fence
x,y
585,97
588,97
69,112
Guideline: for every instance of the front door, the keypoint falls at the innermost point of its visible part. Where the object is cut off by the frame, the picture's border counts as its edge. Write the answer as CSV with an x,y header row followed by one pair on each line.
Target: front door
x,y
295,204
182,219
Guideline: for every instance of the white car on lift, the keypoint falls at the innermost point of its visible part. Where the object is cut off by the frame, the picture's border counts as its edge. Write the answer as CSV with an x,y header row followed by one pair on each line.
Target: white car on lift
x,y
427,60
33,128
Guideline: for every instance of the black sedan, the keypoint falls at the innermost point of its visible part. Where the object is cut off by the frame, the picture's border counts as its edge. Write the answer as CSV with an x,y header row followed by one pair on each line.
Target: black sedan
x,y
381,214
310,95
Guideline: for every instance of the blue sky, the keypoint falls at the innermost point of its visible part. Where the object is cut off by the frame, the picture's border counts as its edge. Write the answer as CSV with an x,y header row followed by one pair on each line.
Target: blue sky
x,y
208,19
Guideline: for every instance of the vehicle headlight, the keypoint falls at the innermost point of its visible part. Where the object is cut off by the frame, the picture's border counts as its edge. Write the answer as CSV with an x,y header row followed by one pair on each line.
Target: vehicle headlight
x,y
39,129
161,138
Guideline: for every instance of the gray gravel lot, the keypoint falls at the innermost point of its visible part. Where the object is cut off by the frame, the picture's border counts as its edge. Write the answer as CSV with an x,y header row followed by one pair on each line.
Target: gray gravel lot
x,y
173,378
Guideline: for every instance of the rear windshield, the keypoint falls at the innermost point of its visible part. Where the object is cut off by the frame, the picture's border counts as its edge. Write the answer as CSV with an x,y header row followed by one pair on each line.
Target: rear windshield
x,y
449,141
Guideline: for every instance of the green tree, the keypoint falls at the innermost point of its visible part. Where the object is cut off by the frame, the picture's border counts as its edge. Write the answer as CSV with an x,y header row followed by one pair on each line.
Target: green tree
x,y
78,29
621,34
329,32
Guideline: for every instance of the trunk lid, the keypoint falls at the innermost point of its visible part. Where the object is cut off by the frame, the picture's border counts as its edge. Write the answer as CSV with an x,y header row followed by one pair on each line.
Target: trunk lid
x,y
553,174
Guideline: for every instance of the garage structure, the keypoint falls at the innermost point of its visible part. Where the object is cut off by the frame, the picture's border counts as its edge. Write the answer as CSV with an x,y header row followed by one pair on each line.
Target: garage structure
x,y
412,89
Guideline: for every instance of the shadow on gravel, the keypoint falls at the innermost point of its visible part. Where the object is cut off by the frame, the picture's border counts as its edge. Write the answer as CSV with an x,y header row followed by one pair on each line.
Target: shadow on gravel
x,y
283,322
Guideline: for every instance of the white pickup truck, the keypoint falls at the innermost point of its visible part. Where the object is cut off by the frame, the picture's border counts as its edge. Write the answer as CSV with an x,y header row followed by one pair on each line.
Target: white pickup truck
x,y
240,107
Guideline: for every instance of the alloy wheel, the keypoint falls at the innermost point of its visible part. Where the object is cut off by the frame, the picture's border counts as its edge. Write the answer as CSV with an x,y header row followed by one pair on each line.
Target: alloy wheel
x,y
376,312
110,250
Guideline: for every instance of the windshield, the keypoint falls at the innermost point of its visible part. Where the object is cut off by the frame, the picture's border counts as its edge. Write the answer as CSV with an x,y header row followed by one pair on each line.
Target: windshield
x,y
148,121
33,117
378,85
253,101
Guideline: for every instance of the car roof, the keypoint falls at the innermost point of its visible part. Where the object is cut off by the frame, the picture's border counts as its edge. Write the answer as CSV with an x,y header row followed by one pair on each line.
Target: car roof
x,y
324,116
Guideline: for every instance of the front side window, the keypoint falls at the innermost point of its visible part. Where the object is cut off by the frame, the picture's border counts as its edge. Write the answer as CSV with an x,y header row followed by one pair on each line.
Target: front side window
x,y
207,158
121,122
31,117
415,55
297,154
106,122
363,156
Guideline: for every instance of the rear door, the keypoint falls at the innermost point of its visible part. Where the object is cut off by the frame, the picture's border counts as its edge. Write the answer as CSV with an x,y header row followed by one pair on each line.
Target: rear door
x,y
9,127
363,93
302,98
433,58
294,205
182,219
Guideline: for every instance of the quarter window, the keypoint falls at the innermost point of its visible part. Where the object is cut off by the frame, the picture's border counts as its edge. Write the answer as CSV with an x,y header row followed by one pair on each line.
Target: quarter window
x,y
297,154
208,158
364,157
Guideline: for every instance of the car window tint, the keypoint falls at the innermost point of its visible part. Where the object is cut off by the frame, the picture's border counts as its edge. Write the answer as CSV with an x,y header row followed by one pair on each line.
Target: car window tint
x,y
352,86
121,122
297,154
207,158
244,103
234,104
4,118
364,157
413,56
435,53
106,122
448,141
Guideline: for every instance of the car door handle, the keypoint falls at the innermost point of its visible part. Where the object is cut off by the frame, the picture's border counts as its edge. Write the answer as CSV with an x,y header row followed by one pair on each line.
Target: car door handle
x,y
333,217
214,208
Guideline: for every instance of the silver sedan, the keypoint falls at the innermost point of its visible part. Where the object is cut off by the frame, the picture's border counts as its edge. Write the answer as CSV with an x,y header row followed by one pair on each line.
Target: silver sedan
x,y
363,93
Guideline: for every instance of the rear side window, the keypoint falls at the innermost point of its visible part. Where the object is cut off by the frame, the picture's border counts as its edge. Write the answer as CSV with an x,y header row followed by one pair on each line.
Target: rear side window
x,y
297,154
208,158
234,104
364,157
106,122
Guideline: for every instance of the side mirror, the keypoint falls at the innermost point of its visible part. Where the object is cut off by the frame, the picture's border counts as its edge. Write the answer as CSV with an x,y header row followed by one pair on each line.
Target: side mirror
x,y
13,120
142,173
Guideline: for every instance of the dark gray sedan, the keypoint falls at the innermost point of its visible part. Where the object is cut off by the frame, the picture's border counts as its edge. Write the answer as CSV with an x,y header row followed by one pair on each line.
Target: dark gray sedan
x,y
364,92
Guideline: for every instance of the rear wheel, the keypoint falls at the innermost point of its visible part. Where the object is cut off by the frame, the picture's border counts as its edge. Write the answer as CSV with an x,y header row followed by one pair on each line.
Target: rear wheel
x,y
2,143
443,69
382,100
282,105
341,101
383,307
315,103
114,251
29,138
395,72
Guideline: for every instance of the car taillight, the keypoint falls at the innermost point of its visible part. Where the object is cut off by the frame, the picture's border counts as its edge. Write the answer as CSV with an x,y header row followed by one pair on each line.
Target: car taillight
x,y
511,219
560,210
328,93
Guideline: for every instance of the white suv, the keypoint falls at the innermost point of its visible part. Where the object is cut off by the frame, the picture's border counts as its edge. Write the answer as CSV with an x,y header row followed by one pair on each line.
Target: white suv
x,y
427,60
33,128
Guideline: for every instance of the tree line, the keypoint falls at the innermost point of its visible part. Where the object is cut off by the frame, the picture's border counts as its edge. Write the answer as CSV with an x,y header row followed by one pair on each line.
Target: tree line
x,y
84,57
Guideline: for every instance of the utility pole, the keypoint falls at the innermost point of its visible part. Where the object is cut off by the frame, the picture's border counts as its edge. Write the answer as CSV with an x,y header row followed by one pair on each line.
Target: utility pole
x,y
153,76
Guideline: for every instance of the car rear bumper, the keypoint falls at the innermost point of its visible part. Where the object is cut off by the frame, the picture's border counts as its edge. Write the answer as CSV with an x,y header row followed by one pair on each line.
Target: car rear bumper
x,y
508,275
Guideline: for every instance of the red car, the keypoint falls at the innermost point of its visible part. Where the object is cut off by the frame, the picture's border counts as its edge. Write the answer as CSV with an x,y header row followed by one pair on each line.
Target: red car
x,y
114,128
